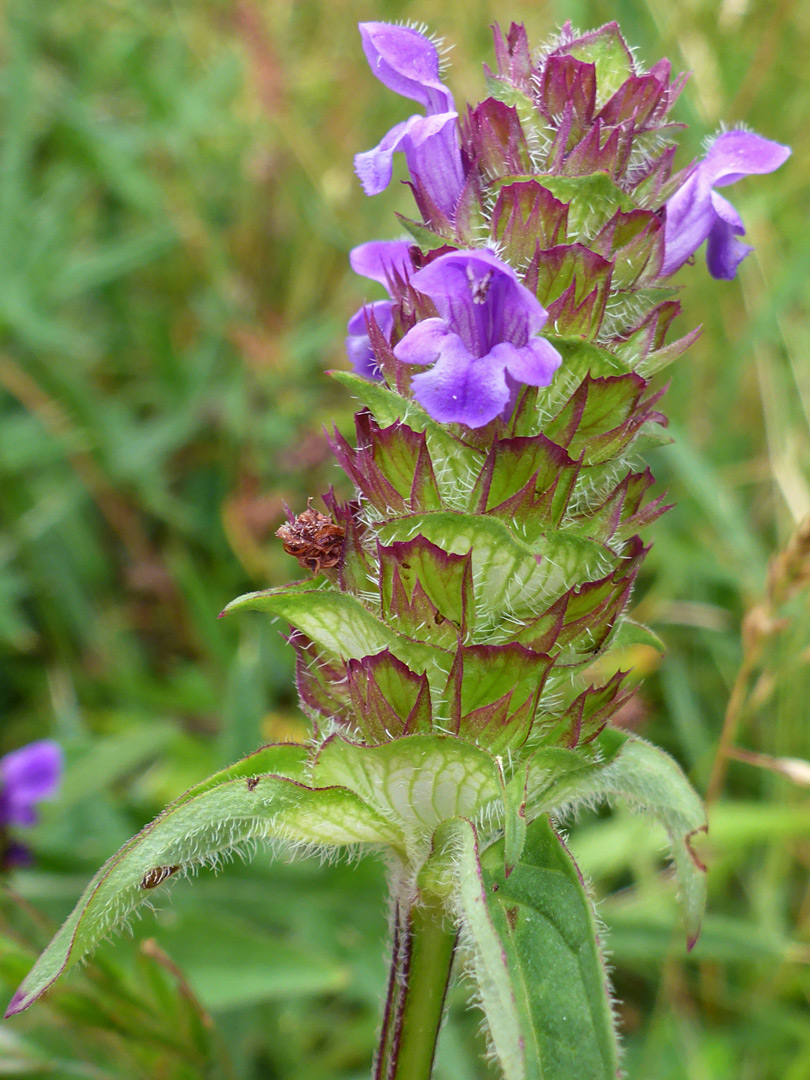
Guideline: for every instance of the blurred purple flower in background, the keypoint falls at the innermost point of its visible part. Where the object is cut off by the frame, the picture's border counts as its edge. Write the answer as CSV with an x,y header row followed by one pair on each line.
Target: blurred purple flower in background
x,y
484,343
408,63
27,776
382,261
696,213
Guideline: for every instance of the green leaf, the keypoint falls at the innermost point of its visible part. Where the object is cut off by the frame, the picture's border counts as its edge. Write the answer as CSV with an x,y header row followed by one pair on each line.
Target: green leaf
x,y
650,781
508,575
337,621
418,781
426,238
200,827
630,634
557,778
645,778
341,625
551,923
535,957
281,759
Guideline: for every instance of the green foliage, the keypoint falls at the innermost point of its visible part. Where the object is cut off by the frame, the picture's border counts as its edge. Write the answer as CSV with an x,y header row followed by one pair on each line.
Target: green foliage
x,y
534,954
543,914
219,816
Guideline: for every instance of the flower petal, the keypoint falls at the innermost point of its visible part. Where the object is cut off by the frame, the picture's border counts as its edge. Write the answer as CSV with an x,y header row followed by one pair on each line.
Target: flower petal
x,y
689,219
27,776
726,212
424,342
374,167
406,62
724,252
379,259
434,160
736,154
533,364
422,138
481,298
461,388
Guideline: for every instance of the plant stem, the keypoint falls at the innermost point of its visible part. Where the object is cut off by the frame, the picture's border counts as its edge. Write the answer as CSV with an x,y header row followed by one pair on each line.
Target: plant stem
x,y
423,947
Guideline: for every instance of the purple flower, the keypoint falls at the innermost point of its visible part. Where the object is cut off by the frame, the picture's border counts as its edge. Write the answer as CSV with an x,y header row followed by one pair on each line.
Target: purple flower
x,y
407,63
383,261
696,213
482,345
27,776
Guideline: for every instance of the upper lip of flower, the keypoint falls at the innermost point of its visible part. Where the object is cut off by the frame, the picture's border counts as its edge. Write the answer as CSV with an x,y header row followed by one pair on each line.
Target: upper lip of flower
x,y
696,212
408,63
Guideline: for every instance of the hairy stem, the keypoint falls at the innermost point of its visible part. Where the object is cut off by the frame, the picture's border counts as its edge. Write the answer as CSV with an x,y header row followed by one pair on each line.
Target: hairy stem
x,y
422,956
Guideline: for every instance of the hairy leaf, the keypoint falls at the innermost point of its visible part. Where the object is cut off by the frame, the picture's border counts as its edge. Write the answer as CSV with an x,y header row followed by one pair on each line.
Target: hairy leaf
x,y
341,625
650,781
543,911
645,778
535,956
202,825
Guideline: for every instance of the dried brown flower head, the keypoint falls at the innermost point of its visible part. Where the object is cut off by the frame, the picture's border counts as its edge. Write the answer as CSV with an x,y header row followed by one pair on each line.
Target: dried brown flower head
x,y
312,538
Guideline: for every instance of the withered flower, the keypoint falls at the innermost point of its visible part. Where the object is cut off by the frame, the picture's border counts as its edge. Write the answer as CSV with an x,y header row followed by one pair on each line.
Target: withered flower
x,y
312,538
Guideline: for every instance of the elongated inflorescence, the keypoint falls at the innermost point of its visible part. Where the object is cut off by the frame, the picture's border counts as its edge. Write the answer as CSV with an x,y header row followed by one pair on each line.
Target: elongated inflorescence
x,y
529,310
506,385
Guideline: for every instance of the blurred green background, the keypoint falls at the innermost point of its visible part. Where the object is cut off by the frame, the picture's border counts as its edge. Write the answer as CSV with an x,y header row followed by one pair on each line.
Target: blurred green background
x,y
176,207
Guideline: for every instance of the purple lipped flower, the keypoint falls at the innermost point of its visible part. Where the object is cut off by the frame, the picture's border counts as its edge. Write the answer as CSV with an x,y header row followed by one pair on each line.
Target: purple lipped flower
x,y
382,261
27,776
408,63
696,212
484,343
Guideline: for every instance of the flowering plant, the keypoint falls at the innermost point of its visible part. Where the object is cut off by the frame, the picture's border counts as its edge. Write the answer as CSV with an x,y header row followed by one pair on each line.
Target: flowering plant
x,y
457,633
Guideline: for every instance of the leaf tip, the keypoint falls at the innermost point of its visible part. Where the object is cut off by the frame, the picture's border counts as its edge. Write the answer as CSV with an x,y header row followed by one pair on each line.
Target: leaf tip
x,y
19,1003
